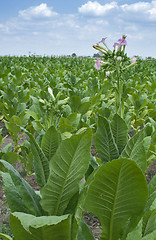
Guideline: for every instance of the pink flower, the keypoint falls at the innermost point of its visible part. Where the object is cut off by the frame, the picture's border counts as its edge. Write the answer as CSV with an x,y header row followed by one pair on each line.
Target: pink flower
x,y
115,45
98,63
103,40
122,42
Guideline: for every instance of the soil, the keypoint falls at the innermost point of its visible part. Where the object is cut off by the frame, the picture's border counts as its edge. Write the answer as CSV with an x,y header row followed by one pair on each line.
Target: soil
x,y
90,219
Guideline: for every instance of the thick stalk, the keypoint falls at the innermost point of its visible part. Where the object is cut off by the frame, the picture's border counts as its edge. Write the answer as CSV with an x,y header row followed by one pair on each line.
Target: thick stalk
x,y
118,95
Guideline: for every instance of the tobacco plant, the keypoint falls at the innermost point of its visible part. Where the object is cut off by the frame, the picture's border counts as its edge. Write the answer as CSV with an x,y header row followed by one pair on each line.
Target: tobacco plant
x,y
116,191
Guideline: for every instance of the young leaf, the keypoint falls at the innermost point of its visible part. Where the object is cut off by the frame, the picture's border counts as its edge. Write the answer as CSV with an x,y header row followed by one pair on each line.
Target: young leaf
x,y
41,163
149,222
104,141
135,150
150,236
120,132
78,213
136,234
27,200
85,232
116,194
50,142
67,168
152,185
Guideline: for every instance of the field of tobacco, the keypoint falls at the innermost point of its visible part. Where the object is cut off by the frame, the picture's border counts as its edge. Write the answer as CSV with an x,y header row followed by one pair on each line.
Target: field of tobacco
x,y
84,129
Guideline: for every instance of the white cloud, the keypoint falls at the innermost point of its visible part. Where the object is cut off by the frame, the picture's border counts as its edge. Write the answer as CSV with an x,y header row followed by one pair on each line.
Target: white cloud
x,y
139,10
37,12
96,9
48,32
136,7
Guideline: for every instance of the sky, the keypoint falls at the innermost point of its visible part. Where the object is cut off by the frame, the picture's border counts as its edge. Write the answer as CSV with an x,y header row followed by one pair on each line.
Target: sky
x,y
61,27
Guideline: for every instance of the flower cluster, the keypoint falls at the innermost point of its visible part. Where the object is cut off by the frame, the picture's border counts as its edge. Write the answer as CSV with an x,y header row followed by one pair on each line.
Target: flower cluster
x,y
108,57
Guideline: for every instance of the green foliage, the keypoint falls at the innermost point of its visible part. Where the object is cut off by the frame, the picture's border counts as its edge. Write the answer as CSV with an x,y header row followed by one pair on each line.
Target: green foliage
x,y
26,226
67,168
117,203
50,142
54,101
41,164
105,142
20,195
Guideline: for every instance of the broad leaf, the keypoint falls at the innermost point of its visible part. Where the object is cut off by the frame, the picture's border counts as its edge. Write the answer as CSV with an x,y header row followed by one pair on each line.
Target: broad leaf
x,y
11,157
120,132
27,200
104,141
26,226
50,142
67,168
117,194
135,150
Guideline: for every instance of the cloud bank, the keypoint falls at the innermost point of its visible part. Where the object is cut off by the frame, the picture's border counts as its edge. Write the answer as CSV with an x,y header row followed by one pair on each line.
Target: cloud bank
x,y
41,30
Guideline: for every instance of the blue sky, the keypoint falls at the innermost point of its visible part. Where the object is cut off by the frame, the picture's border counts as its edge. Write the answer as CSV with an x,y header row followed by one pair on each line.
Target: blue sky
x,y
62,27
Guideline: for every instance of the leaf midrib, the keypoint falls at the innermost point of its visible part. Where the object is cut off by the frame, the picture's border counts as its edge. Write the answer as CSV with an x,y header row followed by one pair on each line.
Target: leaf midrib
x,y
114,204
60,195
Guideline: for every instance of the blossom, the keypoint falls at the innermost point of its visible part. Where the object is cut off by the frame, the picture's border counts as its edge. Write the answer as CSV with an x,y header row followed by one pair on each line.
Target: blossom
x,y
98,63
115,45
122,42
133,60
103,40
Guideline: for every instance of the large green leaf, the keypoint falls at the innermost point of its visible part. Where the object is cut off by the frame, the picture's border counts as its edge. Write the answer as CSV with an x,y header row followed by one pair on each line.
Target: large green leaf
x,y
20,195
105,142
120,132
67,168
26,226
117,195
41,163
135,150
50,142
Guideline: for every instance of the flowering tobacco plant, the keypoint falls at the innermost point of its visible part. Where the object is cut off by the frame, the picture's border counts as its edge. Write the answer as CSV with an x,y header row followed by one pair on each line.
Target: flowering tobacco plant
x,y
114,63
